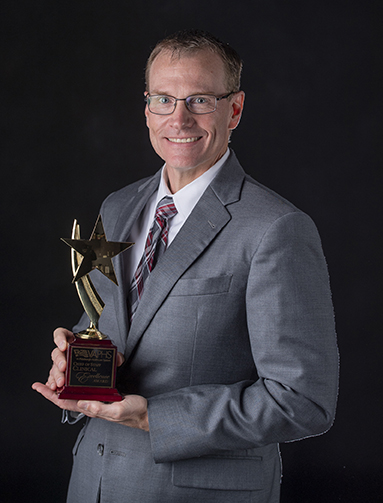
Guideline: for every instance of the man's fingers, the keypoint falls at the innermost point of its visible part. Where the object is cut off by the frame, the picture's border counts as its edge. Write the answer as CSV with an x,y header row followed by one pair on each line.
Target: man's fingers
x,y
120,359
56,374
115,411
61,337
59,359
131,411
93,408
51,382
56,377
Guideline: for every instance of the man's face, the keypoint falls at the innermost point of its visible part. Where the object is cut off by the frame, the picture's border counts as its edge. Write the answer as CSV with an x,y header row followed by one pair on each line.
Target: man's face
x,y
186,141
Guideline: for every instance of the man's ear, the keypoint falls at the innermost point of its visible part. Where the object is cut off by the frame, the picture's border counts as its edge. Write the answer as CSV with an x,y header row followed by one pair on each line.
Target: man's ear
x,y
237,107
146,111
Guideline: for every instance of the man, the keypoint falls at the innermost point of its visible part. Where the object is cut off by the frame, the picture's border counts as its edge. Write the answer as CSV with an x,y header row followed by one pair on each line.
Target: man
x,y
231,347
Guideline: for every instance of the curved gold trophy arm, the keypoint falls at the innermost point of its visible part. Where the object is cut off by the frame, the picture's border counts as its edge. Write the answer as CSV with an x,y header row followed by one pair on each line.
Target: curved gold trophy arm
x,y
89,254
90,299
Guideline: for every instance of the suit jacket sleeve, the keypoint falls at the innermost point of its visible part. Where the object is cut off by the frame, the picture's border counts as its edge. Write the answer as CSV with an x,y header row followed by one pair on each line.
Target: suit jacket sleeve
x,y
292,337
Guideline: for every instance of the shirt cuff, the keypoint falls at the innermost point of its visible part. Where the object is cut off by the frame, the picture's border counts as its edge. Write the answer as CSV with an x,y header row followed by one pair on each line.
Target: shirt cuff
x,y
71,417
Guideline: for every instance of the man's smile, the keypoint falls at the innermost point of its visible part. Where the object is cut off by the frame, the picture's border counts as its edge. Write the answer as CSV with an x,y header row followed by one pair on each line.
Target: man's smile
x,y
184,140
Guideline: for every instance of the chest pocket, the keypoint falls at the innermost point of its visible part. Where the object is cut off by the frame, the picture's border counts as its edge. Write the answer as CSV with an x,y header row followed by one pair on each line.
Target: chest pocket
x,y
201,286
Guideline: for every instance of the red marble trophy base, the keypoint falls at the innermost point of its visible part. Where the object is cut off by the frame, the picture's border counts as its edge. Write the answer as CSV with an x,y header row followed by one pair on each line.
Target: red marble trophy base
x,y
91,371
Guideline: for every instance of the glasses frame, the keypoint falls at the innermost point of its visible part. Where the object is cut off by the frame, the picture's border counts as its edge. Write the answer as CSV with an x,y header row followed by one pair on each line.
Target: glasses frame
x,y
217,99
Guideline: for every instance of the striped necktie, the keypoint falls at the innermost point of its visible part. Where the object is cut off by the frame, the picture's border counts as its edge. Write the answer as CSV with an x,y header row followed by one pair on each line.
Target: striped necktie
x,y
155,246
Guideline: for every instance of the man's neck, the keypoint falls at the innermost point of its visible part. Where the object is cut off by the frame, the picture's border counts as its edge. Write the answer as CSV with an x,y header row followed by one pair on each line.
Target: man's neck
x,y
176,179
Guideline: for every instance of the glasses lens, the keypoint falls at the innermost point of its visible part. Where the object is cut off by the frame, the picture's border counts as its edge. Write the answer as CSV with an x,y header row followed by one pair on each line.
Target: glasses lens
x,y
201,104
162,105
197,104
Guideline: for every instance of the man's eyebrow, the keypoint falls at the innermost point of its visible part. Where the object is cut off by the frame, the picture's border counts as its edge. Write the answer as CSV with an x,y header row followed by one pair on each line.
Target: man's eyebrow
x,y
197,93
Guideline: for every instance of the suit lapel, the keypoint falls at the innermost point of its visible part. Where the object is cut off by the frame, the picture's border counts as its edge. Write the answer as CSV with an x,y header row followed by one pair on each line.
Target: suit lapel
x,y
205,222
129,213
123,224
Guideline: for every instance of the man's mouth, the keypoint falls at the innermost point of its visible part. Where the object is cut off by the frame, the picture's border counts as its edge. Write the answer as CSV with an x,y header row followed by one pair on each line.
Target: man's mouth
x,y
184,140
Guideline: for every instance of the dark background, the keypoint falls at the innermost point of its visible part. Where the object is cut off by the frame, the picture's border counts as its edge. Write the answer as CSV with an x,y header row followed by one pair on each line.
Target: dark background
x,y
73,130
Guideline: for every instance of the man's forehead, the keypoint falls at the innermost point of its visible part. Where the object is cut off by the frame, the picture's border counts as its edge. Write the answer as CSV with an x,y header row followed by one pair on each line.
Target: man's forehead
x,y
203,60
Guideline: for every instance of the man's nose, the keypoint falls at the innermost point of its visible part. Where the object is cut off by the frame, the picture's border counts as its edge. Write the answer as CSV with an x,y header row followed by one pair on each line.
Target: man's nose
x,y
181,117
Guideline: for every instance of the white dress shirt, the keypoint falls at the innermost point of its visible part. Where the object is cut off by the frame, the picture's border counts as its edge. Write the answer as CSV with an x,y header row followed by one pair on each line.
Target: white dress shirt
x,y
185,199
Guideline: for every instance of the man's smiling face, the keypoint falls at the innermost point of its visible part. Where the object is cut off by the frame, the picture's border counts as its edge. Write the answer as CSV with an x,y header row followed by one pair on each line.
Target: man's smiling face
x,y
190,144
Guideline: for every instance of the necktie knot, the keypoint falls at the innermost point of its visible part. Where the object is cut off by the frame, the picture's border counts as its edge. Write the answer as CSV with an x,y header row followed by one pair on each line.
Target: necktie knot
x,y
166,208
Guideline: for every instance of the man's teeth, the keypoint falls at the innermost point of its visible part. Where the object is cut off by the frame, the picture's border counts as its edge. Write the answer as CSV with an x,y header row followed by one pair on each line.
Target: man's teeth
x,y
182,140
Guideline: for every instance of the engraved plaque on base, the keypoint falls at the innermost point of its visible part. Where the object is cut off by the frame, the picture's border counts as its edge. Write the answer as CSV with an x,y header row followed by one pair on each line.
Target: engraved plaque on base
x,y
91,356
91,371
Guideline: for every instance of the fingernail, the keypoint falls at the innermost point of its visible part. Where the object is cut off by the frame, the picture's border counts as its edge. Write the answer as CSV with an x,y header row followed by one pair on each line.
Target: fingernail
x,y
61,365
83,405
62,345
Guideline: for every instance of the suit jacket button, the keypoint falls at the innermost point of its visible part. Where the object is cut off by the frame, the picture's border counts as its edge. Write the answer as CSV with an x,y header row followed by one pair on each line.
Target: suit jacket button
x,y
100,449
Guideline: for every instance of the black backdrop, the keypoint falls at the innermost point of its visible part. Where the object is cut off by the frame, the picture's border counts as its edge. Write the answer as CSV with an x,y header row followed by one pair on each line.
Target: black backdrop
x,y
73,130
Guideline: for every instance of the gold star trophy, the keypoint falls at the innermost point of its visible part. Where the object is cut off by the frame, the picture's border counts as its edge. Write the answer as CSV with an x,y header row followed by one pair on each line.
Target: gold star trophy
x,y
91,357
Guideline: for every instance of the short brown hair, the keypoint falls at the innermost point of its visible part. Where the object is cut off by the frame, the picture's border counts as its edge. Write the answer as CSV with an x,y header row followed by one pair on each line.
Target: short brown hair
x,y
191,41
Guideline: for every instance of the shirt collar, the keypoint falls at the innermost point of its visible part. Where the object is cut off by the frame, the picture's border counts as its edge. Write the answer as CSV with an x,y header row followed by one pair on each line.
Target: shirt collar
x,y
186,198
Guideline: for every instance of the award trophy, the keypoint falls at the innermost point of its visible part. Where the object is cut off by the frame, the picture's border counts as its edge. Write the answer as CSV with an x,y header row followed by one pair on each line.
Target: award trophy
x,y
91,357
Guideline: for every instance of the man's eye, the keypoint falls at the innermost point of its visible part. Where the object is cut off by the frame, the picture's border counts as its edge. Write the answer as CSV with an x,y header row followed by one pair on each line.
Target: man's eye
x,y
163,100
199,100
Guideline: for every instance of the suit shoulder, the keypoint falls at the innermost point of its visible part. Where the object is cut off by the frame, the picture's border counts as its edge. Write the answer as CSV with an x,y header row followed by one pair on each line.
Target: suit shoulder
x,y
265,202
121,196
263,212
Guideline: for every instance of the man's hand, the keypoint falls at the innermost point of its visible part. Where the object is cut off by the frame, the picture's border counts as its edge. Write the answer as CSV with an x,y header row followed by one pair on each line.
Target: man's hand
x,y
61,337
131,411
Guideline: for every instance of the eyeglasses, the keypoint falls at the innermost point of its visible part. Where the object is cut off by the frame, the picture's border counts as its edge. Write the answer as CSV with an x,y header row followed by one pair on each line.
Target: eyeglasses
x,y
199,104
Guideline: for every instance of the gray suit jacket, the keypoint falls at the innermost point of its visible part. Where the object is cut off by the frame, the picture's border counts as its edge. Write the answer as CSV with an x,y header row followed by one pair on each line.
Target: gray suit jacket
x,y
233,344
